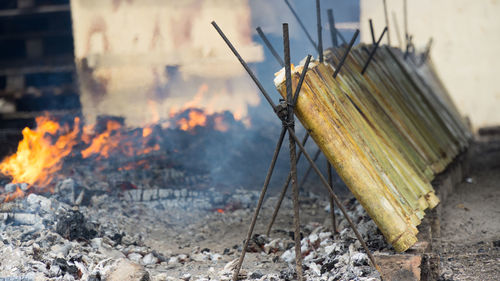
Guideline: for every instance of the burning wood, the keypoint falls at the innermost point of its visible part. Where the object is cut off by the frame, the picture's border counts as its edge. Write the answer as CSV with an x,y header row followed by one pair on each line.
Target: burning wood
x,y
387,133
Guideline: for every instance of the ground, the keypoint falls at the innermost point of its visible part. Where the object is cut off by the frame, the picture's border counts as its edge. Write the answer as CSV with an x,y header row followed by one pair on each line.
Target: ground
x,y
469,246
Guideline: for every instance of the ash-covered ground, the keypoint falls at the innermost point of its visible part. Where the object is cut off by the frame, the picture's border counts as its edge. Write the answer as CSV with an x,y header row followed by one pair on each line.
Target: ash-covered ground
x,y
175,235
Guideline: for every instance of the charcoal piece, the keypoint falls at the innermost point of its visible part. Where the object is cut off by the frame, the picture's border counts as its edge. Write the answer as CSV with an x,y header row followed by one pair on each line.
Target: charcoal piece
x,y
328,265
72,225
65,267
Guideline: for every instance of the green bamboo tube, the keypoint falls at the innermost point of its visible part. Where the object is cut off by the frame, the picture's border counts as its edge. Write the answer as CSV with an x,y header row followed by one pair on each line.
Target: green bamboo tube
x,y
390,107
383,124
361,133
385,157
357,173
406,113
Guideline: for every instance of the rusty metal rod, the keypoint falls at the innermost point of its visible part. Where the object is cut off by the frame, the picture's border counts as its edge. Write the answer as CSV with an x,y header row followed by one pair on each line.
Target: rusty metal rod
x,y
259,203
270,47
245,65
301,80
341,36
386,15
284,189
332,204
372,53
427,51
309,169
301,25
293,154
337,201
320,33
333,30
371,31
316,169
341,63
398,32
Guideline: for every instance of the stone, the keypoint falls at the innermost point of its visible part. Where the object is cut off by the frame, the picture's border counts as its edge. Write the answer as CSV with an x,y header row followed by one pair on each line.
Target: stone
x,y
149,259
125,270
399,266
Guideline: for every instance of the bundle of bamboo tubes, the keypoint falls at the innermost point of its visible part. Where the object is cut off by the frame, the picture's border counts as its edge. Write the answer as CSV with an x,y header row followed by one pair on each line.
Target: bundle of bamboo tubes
x,y
387,132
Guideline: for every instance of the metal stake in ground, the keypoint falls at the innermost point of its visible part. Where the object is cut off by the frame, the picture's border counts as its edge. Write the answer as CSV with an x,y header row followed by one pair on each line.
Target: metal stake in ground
x,y
398,32
387,23
270,47
371,31
293,156
320,33
301,25
332,204
337,201
333,30
259,204
338,67
372,53
323,180
245,65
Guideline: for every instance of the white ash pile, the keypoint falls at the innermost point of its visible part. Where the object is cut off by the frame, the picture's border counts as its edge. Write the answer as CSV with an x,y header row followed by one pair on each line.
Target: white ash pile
x,y
90,234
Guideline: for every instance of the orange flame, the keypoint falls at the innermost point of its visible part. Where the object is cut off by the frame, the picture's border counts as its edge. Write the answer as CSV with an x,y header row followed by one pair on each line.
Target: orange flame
x,y
195,118
38,157
105,142
115,140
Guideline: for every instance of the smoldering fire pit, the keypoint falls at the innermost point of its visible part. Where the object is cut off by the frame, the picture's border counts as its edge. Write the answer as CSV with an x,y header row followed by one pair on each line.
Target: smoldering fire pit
x,y
110,215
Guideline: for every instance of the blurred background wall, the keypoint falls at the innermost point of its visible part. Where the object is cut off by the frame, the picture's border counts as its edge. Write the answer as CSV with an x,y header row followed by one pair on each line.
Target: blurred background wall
x,y
466,41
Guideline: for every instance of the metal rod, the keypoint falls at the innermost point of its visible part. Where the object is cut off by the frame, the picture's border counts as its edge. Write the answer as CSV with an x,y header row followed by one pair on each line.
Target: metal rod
x,y
427,51
332,204
323,180
293,155
372,53
342,38
301,25
287,182
387,23
259,203
398,32
333,30
245,65
341,63
270,47
292,134
405,21
309,169
284,189
320,33
301,80
371,31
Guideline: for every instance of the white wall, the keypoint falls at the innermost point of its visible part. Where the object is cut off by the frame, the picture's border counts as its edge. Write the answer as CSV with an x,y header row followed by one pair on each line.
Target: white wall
x,y
466,47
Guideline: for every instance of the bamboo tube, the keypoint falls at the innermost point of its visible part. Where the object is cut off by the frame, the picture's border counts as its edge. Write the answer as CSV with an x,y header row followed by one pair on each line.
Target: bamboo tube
x,y
387,133
383,156
356,172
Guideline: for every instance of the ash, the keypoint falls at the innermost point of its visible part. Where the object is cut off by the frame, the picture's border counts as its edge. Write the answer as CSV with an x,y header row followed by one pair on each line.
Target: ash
x,y
175,234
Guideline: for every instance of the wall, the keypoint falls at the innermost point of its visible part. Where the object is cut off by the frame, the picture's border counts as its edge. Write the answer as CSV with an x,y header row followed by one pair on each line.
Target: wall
x,y
145,60
466,36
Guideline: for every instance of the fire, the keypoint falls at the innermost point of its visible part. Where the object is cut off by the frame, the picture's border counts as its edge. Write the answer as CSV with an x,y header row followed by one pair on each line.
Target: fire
x,y
116,139
38,156
105,142
195,118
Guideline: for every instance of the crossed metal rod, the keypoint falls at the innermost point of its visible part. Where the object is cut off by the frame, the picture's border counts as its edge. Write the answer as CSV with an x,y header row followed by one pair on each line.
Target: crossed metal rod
x,y
293,140
284,188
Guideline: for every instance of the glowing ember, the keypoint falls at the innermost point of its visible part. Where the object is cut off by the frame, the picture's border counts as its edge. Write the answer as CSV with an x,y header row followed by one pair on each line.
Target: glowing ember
x,y
38,156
